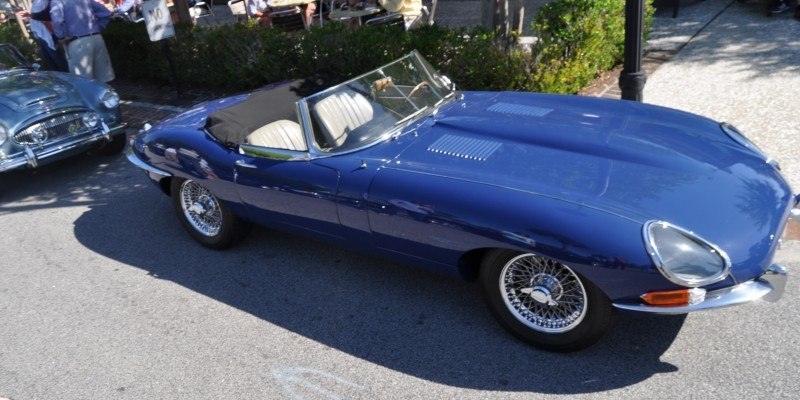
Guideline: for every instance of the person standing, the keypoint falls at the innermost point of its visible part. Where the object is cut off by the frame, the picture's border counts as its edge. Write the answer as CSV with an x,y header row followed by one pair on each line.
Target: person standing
x,y
410,9
77,24
39,18
259,10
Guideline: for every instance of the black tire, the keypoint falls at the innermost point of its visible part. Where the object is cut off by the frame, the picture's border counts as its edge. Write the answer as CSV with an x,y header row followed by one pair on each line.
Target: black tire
x,y
596,314
231,229
114,147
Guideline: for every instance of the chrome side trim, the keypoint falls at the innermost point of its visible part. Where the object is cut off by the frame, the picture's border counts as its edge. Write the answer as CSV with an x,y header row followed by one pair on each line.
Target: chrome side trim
x,y
272,154
769,287
151,170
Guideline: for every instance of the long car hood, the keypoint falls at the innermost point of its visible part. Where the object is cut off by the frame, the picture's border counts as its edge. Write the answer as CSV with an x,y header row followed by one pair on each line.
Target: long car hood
x,y
636,161
28,92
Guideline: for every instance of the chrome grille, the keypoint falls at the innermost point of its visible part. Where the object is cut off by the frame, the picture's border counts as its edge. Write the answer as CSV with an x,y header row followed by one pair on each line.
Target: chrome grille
x,y
53,128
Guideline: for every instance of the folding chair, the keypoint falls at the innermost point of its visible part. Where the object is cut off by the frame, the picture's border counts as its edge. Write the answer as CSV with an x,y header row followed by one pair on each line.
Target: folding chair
x,y
239,10
196,11
289,20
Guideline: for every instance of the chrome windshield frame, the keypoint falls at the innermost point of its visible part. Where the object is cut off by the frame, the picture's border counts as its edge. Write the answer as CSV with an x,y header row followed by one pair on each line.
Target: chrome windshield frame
x,y
305,118
24,64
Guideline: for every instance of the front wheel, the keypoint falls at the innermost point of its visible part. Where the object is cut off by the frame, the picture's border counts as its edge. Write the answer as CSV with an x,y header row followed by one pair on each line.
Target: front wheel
x,y
543,302
114,146
208,220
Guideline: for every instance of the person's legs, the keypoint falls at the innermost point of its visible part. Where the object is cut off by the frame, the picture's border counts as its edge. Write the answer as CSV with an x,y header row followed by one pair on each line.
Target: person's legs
x,y
44,53
103,70
264,20
308,13
80,57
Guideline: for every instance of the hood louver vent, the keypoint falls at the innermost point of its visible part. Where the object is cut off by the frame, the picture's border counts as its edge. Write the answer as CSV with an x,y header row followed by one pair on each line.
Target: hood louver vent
x,y
41,100
519,109
462,147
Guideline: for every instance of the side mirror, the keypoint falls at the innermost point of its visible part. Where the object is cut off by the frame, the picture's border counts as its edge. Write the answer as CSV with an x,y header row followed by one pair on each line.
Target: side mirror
x,y
36,66
447,82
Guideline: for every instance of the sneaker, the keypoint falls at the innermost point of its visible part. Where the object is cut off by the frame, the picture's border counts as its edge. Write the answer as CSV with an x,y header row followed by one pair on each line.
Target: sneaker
x,y
778,7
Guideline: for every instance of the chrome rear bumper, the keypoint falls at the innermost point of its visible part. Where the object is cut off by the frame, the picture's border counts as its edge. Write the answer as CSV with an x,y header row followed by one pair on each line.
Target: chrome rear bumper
x,y
769,287
31,157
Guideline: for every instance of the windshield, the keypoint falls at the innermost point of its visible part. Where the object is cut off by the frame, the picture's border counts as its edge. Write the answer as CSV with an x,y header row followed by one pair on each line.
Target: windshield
x,y
365,109
10,58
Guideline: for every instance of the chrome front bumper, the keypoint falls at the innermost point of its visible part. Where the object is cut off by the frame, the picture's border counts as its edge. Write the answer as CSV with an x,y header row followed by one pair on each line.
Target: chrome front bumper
x,y
31,157
768,286
153,172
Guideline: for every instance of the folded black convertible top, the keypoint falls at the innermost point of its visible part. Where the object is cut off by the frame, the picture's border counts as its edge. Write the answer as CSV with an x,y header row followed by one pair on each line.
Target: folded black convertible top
x,y
231,125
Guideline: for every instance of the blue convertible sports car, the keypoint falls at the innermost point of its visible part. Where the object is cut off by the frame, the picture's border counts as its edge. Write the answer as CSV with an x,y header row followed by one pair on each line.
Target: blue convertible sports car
x,y
565,208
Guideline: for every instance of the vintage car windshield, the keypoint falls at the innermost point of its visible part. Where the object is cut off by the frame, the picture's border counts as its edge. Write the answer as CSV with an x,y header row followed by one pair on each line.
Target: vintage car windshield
x,y
368,108
10,59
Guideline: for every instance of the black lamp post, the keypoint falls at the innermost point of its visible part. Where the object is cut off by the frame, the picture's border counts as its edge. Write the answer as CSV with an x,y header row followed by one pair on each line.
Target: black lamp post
x,y
632,78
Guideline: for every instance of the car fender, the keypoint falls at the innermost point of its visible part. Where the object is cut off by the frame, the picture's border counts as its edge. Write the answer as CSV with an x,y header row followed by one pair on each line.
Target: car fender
x,y
443,219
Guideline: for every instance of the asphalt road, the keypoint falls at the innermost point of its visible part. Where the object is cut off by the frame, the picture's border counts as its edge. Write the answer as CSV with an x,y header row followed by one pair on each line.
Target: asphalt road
x,y
102,295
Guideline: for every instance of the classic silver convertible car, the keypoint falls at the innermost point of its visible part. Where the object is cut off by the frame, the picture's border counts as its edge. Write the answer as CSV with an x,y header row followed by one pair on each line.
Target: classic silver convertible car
x,y
46,116
565,208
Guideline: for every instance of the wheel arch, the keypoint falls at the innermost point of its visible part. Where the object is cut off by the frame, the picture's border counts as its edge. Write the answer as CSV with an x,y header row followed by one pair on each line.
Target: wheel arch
x,y
165,185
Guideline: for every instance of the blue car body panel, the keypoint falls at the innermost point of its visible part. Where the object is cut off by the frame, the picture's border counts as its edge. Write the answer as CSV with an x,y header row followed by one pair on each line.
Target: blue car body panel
x,y
568,177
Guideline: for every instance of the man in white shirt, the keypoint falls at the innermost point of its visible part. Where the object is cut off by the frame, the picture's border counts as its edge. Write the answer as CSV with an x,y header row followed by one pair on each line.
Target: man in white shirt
x,y
410,9
39,18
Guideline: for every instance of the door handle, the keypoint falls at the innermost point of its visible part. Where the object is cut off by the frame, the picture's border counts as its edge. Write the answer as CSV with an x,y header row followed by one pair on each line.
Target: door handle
x,y
244,164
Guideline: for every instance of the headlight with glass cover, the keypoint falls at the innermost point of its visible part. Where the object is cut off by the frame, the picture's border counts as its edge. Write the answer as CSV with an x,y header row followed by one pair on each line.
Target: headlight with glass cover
x,y
684,257
90,120
110,98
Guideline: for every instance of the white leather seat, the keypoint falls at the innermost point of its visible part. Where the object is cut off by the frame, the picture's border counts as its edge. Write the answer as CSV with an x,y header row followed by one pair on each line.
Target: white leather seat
x,y
341,113
282,134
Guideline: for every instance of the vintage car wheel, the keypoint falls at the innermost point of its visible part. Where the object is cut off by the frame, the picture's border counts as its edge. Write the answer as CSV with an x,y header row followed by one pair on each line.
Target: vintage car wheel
x,y
208,220
114,147
544,302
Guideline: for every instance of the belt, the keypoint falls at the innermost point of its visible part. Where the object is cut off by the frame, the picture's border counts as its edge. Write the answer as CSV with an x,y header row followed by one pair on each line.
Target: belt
x,y
83,36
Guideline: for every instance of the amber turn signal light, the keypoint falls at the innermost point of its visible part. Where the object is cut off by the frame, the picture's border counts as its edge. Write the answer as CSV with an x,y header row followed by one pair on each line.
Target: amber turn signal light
x,y
683,297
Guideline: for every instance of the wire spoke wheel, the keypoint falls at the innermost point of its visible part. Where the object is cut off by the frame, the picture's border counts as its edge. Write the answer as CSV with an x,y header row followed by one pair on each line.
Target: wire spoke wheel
x,y
543,294
201,209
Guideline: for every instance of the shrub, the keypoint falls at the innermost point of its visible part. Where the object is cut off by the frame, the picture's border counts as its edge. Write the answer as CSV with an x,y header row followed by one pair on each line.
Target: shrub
x,y
577,40
10,33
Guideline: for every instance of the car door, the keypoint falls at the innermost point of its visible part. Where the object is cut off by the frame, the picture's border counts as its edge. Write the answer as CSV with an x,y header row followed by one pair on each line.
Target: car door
x,y
284,187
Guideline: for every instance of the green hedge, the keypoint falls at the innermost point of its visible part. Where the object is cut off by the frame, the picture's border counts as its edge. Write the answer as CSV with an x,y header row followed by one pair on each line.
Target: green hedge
x,y
9,33
578,39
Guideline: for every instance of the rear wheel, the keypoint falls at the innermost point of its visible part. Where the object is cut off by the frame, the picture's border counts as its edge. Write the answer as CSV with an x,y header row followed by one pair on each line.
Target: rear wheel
x,y
543,302
208,220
